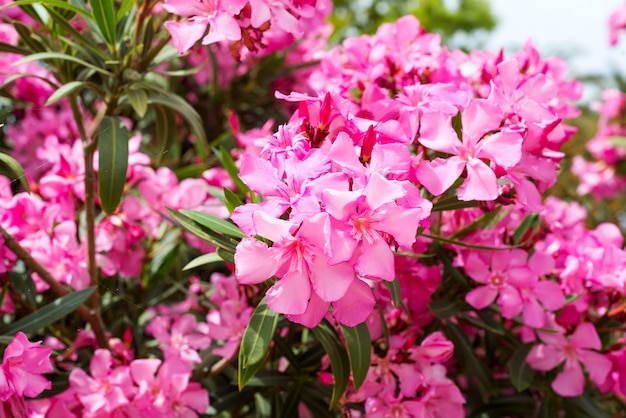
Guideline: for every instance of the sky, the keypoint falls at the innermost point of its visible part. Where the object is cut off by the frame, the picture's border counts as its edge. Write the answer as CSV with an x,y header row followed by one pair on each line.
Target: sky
x,y
574,29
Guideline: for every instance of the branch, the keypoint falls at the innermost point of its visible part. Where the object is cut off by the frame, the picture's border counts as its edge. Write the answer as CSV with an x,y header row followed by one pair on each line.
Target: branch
x,y
92,316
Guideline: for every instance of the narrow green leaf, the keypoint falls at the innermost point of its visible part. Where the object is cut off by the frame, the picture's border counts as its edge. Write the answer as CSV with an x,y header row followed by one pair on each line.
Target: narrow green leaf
x,y
201,231
202,260
468,358
453,203
445,309
58,56
229,165
290,406
457,124
338,356
15,77
164,130
124,8
75,35
113,163
396,292
520,373
64,91
618,141
49,313
61,4
359,351
103,12
255,342
231,200
530,222
214,223
4,47
15,170
138,99
29,37
587,405
178,104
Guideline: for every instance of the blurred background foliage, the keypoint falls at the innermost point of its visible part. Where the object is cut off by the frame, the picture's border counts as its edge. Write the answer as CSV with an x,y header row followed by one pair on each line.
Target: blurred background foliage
x,y
447,18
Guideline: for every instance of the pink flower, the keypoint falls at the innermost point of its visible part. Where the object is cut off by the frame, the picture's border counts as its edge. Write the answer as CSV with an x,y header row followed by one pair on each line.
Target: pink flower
x,y
109,387
478,119
617,22
183,340
22,368
578,349
169,393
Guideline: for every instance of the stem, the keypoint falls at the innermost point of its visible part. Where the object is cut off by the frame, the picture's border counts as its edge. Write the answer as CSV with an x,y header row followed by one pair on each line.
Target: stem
x,y
91,315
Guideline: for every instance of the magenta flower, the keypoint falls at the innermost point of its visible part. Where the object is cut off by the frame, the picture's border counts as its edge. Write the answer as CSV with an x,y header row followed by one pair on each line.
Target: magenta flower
x,y
167,393
22,368
107,389
578,349
479,119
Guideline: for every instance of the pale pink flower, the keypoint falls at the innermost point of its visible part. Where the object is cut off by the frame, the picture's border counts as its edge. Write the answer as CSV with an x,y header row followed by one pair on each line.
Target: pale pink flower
x,y
22,367
579,348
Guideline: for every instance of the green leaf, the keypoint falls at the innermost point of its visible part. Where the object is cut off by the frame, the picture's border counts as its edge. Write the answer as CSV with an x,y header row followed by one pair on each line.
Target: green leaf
x,y
103,12
290,407
113,163
520,373
64,91
178,104
204,259
229,165
214,223
201,231
445,309
586,405
507,406
164,130
30,37
231,200
138,99
255,342
58,56
61,4
124,8
338,356
457,124
530,222
4,47
75,35
396,292
15,170
50,313
469,360
359,351
453,203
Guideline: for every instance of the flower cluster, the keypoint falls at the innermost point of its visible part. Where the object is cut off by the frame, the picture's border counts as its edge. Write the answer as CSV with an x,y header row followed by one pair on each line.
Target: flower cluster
x,y
248,26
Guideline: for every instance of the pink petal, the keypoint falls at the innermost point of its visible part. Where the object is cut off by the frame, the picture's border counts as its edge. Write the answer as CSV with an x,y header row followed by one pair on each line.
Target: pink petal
x,y
510,302
185,35
330,282
598,365
260,175
503,148
144,370
290,295
481,182
533,315
476,268
376,261
544,357
379,191
586,336
402,223
436,133
356,305
314,312
570,382
438,175
481,297
254,261
550,294
478,118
